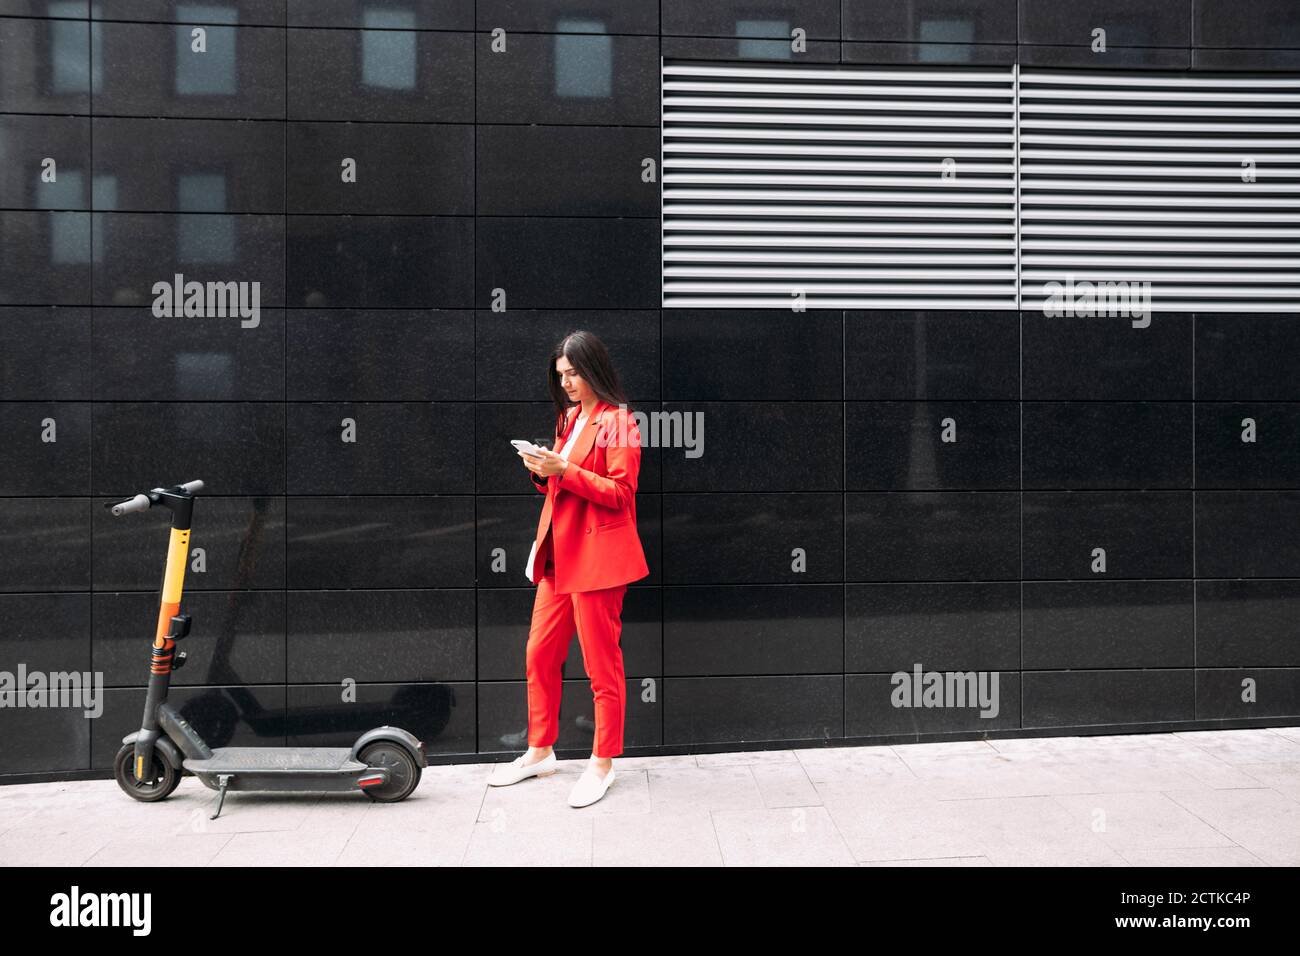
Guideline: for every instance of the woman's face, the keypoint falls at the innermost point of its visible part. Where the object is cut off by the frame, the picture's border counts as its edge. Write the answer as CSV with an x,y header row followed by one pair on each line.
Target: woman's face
x,y
573,384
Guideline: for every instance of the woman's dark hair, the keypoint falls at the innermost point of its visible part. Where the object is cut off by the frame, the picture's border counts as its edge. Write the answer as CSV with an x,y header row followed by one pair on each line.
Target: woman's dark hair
x,y
589,357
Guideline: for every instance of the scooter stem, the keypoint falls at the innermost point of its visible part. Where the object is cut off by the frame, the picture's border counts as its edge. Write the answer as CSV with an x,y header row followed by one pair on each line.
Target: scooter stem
x,y
181,502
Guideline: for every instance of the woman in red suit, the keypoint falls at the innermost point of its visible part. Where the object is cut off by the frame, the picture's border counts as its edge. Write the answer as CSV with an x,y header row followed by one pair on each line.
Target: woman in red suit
x,y
585,553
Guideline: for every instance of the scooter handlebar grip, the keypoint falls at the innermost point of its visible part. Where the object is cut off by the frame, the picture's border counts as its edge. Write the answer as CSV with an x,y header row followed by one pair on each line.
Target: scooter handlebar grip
x,y
193,487
138,503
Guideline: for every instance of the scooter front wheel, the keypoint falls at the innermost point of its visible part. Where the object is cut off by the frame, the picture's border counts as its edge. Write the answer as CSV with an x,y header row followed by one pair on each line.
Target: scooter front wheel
x,y
403,771
158,783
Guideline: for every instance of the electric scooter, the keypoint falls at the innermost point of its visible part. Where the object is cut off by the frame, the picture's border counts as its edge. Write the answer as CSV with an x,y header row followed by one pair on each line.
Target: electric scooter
x,y
385,763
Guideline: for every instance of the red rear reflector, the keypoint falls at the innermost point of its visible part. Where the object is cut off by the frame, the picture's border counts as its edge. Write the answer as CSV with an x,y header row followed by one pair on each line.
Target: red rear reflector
x,y
369,781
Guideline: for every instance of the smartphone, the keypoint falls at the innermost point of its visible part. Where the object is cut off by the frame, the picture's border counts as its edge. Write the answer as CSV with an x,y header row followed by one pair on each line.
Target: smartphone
x,y
523,445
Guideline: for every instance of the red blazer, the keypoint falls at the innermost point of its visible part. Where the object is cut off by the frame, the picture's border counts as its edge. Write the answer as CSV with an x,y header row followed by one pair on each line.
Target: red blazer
x,y
588,521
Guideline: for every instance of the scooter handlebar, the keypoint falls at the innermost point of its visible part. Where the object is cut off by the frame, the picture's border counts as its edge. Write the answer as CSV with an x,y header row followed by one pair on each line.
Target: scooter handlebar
x,y
138,503
143,502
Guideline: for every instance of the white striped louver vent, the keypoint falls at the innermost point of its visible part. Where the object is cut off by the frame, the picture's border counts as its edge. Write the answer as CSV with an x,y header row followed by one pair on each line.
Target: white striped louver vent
x,y
827,185
1138,177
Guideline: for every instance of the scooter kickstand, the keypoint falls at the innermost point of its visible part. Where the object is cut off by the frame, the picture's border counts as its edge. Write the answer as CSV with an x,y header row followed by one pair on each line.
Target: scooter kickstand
x,y
223,780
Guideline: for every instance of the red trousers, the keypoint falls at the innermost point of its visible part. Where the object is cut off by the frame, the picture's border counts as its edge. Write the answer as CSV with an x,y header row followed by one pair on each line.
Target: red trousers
x,y
598,618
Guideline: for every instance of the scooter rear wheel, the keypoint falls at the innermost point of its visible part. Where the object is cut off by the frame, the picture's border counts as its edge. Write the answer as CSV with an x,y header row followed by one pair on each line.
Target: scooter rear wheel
x,y
403,771
158,784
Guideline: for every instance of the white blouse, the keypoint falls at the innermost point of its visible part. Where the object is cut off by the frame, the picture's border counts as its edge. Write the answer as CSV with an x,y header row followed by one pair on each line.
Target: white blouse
x,y
564,453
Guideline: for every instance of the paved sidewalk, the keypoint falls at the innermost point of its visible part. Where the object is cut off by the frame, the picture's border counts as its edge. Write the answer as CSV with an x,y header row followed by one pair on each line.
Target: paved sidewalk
x,y
1217,798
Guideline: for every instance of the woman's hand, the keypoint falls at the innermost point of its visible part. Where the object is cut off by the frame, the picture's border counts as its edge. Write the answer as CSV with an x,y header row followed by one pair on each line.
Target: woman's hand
x,y
547,464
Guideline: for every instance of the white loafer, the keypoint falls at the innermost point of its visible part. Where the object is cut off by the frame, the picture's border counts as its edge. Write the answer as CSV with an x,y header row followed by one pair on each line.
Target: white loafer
x,y
591,786
504,774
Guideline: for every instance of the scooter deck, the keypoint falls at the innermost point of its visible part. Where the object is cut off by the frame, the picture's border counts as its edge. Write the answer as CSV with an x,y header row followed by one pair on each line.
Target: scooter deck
x,y
277,760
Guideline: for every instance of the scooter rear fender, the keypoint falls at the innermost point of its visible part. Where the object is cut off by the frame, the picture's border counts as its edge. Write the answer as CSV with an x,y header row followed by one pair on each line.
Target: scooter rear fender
x,y
396,735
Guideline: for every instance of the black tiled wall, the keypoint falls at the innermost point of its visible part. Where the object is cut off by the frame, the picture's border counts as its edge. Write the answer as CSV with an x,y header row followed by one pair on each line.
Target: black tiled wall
x,y
521,171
